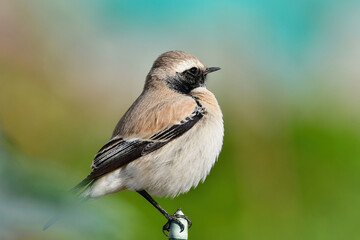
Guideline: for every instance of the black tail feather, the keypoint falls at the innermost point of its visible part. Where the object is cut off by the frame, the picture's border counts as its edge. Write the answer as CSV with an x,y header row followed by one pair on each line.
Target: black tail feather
x,y
83,184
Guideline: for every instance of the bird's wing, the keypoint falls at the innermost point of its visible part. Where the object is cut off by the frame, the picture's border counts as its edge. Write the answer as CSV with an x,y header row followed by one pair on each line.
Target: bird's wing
x,y
119,151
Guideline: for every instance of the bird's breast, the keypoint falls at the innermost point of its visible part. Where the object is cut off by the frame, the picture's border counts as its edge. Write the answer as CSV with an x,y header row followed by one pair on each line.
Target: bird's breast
x,y
208,101
185,161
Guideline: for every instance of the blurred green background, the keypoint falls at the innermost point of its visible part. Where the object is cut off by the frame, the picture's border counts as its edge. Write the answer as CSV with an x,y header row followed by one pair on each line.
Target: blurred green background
x,y
289,89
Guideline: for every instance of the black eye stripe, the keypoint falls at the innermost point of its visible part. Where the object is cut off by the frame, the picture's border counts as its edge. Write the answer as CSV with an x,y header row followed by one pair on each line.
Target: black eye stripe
x,y
193,70
184,82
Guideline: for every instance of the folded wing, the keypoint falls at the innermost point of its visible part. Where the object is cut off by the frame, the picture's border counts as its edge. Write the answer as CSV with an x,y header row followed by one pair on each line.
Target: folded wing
x,y
118,151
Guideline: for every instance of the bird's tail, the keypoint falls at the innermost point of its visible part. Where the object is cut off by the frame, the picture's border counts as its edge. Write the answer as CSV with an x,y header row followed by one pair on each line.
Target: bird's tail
x,y
79,197
82,186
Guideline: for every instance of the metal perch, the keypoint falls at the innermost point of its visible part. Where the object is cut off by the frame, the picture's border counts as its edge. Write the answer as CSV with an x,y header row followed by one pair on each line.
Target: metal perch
x,y
174,231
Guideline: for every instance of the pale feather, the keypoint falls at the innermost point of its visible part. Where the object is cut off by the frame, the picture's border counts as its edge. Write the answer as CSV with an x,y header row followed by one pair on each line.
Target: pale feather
x,y
179,165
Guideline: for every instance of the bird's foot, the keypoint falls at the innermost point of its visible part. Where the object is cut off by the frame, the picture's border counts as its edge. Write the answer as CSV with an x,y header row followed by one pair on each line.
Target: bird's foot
x,y
174,218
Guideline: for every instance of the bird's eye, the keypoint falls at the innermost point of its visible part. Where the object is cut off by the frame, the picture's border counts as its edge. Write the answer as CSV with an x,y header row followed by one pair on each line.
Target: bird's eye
x,y
193,70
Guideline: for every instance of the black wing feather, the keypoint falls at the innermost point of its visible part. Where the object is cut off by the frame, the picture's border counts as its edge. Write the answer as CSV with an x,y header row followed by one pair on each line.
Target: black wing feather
x,y
118,152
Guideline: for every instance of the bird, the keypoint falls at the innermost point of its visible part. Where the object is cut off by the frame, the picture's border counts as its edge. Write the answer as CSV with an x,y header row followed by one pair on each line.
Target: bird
x,y
167,141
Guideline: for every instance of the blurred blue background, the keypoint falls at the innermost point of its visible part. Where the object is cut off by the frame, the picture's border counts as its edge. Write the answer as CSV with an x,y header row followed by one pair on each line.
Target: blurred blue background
x,y
289,89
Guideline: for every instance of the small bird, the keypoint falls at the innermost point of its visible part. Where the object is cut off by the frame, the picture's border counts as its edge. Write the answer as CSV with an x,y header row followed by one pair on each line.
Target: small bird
x,y
167,141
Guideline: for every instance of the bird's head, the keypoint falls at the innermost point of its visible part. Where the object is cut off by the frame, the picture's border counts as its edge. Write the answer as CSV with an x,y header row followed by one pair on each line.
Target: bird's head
x,y
180,71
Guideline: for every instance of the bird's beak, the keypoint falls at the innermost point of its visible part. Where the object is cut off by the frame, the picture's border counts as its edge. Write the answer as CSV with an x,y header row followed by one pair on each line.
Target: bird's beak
x,y
211,69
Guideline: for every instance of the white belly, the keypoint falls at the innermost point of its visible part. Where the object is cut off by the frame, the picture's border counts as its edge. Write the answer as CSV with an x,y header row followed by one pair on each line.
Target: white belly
x,y
172,169
180,164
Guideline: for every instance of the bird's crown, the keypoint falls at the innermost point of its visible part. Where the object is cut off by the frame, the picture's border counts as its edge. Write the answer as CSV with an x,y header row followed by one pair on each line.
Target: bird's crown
x,y
179,70
176,61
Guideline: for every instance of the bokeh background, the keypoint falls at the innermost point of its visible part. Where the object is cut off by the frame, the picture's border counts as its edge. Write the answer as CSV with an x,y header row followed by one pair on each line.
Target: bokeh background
x,y
289,89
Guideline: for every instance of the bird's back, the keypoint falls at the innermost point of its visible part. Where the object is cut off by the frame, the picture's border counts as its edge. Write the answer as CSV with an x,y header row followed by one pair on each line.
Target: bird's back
x,y
153,112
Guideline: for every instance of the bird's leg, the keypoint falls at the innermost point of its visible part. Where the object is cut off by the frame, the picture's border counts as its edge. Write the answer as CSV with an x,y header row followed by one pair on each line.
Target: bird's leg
x,y
169,217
